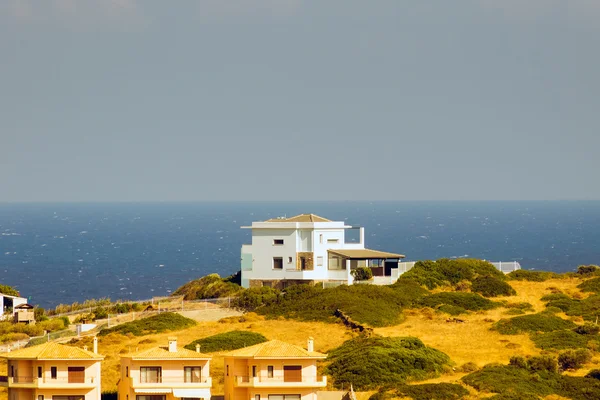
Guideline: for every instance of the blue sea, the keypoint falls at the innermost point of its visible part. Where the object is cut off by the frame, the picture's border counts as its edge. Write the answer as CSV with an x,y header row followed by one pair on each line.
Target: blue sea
x,y
67,252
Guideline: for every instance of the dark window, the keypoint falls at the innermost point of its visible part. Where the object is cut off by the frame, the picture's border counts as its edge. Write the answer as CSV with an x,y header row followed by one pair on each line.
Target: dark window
x,y
126,372
12,371
39,372
284,397
254,371
150,397
41,397
257,397
278,242
68,397
228,370
150,375
292,373
53,375
270,371
277,263
76,374
192,374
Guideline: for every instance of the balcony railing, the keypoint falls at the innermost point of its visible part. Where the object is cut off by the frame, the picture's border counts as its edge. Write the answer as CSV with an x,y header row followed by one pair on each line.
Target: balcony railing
x,y
38,382
280,381
172,381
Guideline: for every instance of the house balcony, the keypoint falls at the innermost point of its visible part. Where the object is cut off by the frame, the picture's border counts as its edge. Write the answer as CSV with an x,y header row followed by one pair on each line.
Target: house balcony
x,y
172,382
279,382
28,382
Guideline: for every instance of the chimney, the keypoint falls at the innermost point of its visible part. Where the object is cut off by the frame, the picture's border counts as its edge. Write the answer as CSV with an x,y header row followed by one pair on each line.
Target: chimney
x,y
311,344
172,345
95,345
85,348
197,348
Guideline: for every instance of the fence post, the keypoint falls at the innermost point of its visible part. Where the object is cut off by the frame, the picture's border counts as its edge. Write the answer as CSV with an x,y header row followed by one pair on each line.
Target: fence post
x,y
228,302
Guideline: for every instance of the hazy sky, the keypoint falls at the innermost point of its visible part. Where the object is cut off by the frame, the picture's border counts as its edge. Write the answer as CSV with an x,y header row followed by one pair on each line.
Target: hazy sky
x,y
134,100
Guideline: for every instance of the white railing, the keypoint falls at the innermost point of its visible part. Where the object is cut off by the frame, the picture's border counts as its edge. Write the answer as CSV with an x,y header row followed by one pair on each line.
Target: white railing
x,y
506,266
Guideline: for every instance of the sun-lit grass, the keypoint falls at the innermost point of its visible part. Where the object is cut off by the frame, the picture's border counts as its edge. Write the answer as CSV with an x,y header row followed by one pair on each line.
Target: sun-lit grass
x,y
531,292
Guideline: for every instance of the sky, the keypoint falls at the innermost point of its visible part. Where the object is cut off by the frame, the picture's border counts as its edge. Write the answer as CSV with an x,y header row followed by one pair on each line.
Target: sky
x,y
153,100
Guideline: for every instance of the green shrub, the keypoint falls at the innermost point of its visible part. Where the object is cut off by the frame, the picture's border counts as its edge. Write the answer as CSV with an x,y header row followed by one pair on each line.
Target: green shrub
x,y
452,310
367,304
373,362
574,359
432,391
445,272
587,270
518,362
362,273
532,276
163,322
594,374
555,296
9,290
591,285
227,341
588,308
209,287
558,340
468,367
542,363
588,329
467,301
532,323
490,286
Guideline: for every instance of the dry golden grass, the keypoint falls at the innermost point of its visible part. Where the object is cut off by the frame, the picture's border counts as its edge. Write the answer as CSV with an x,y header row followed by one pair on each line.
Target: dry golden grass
x,y
531,292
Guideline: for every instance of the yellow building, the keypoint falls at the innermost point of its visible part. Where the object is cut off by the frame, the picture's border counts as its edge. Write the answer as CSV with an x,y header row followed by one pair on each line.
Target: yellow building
x,y
273,370
53,371
165,373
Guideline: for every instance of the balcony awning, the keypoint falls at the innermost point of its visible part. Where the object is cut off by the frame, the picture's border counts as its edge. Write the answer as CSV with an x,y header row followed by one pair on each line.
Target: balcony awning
x,y
364,254
194,393
153,390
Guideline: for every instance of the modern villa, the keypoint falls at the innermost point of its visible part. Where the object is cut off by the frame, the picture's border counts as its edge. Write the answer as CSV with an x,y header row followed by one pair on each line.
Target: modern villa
x,y
165,373
273,370
53,371
8,305
308,249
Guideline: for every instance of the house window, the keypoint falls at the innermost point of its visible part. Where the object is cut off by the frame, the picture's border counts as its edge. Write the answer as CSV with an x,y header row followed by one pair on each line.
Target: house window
x,y
12,371
150,397
335,263
126,372
333,240
68,397
292,373
289,260
76,374
39,372
284,397
53,374
277,262
270,371
321,238
150,374
257,397
41,397
319,261
192,374
277,242
227,369
254,371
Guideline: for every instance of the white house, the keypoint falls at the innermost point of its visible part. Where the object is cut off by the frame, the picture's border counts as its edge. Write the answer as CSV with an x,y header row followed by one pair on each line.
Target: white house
x,y
307,249
8,305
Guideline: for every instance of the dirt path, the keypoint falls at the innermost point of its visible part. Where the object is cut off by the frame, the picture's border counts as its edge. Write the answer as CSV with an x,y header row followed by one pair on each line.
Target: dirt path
x,y
213,314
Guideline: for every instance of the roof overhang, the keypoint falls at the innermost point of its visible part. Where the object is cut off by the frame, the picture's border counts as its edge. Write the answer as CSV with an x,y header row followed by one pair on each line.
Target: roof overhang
x,y
192,393
364,254
152,390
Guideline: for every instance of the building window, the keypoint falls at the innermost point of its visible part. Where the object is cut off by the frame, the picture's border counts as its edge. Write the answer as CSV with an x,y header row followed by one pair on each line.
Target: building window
x,y
76,374
277,262
277,242
292,373
254,371
12,371
192,374
41,397
284,397
321,238
319,261
150,375
39,372
150,397
68,397
53,374
257,397
335,263
333,240
126,372
227,369
289,260
270,371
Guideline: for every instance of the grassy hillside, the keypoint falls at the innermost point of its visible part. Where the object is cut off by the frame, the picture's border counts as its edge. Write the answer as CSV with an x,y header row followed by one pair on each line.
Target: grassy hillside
x,y
209,287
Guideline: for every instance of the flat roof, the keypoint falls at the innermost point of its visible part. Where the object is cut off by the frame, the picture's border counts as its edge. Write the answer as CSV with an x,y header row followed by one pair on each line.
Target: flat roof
x,y
363,254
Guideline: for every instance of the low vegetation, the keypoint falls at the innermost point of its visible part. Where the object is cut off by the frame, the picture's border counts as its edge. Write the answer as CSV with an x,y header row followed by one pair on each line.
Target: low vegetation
x,y
370,363
588,308
446,272
210,287
227,341
455,303
532,276
10,332
541,322
164,322
559,340
490,286
427,391
376,306
590,285
9,290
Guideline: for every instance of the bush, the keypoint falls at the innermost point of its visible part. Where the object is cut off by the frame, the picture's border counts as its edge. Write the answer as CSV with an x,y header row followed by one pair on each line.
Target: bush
x,y
532,323
558,340
362,273
594,374
591,285
587,308
51,325
532,276
451,310
156,324
468,367
251,299
574,359
227,341
542,364
445,272
9,290
490,286
518,361
372,362
587,270
209,287
587,329
467,301
432,391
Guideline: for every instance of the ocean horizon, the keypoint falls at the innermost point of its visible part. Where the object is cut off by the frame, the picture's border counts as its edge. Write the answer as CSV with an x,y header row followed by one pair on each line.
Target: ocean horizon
x,y
68,252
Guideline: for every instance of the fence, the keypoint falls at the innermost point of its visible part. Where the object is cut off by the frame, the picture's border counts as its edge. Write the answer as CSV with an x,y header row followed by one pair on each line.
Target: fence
x,y
506,267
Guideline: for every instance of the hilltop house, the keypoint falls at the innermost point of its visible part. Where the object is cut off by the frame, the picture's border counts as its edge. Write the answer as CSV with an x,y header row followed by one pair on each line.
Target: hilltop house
x,y
273,370
165,373
308,249
8,305
53,371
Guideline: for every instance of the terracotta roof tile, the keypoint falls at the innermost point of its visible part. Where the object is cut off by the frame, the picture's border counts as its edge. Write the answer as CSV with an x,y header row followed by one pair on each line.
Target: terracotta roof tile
x,y
274,349
52,351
